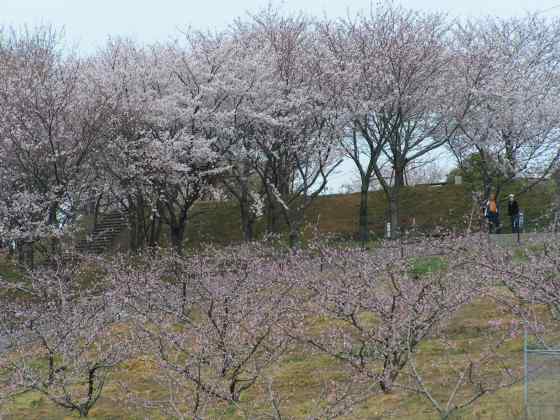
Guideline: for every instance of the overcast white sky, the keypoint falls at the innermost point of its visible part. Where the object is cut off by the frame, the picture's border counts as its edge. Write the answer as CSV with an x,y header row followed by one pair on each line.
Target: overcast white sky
x,y
89,22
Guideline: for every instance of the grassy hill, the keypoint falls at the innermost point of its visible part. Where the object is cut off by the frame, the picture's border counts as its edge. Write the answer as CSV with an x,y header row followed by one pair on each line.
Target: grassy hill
x,y
424,206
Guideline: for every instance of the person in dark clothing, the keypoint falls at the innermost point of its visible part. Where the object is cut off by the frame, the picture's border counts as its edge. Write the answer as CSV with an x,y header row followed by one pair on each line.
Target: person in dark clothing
x,y
513,211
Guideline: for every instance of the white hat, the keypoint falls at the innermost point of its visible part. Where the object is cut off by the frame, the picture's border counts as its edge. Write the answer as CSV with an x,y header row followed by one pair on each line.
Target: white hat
x,y
511,196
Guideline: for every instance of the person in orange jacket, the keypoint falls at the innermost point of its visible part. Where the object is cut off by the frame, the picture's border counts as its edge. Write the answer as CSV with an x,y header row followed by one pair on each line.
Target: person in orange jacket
x,y
491,213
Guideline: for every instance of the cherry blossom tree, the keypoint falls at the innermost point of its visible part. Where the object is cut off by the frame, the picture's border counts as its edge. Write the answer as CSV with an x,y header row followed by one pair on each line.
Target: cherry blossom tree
x,y
290,122
122,72
343,83
246,79
396,92
508,71
49,126
160,154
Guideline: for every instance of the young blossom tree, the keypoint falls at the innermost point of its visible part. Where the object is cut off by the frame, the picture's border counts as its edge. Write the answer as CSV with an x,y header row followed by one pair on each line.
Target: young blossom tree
x,y
453,384
214,327
380,310
337,399
62,340
533,282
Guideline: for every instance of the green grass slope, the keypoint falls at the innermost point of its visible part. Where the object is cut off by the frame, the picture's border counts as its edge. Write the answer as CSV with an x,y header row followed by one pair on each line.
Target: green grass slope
x,y
424,206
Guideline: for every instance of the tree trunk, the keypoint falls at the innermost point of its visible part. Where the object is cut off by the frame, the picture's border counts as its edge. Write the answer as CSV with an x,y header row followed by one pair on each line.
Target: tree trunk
x,y
393,196
25,254
394,203
487,186
132,224
556,220
53,209
140,225
155,230
394,214
486,175
270,215
385,388
53,221
83,411
247,222
363,231
136,221
247,218
177,233
158,230
295,237
274,217
96,208
20,252
30,255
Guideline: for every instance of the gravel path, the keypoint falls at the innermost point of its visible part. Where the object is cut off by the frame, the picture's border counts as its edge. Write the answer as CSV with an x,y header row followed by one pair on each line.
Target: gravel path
x,y
509,239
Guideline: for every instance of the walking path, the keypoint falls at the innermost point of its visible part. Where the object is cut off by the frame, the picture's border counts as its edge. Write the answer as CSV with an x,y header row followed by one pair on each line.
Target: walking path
x,y
508,239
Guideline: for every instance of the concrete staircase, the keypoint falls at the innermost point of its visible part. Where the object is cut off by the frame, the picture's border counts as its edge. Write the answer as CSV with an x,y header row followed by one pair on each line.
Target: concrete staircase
x,y
104,234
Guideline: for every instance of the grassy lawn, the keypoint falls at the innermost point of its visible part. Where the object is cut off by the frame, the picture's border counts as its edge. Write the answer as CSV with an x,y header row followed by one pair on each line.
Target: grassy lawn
x,y
300,376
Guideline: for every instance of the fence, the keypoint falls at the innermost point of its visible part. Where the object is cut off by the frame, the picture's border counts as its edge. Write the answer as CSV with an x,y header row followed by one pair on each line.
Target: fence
x,y
542,381
504,410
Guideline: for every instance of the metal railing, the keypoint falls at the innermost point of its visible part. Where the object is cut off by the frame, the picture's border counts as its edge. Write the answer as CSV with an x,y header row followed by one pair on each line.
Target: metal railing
x,y
541,387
